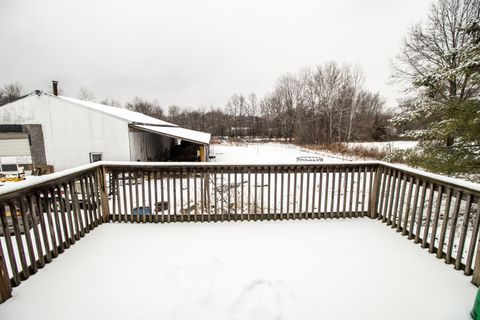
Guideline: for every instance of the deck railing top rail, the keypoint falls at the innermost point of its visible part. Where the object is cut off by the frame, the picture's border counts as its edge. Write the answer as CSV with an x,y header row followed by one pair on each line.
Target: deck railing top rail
x,y
61,175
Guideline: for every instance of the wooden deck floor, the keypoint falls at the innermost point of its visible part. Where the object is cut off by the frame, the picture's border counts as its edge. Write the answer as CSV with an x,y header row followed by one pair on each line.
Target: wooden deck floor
x,y
333,269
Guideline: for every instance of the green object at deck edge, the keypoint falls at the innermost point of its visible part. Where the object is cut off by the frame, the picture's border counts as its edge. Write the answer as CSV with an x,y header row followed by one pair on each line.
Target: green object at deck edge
x,y
475,313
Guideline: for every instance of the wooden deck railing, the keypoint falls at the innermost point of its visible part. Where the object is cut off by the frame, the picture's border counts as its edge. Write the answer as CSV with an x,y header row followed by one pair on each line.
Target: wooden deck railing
x,y
43,218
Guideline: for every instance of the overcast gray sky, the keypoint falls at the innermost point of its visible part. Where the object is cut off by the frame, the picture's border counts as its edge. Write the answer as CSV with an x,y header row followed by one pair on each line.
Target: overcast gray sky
x,y
193,52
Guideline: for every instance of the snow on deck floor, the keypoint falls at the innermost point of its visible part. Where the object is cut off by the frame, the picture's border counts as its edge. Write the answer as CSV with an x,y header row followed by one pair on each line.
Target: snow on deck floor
x,y
322,269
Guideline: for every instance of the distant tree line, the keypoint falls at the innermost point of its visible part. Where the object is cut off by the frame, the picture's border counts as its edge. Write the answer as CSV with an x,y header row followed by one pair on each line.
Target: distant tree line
x,y
327,104
322,105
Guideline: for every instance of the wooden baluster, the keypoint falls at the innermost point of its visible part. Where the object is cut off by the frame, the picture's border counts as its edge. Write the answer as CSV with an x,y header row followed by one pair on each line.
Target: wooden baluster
x,y
124,196
339,191
69,212
393,197
275,193
408,207
62,214
398,213
189,210
35,218
24,215
345,193
414,209
472,247
288,192
5,286
387,195
262,193
381,213
364,190
282,178
351,211
113,192
333,214
117,203
24,273
420,212
302,192
93,194
242,194
150,198
183,216
269,191
40,204
428,215
215,191
453,227
77,218
195,197
436,217
56,218
131,180
446,215
9,245
207,190
357,195
463,236
294,210
162,198
314,192
320,192
84,206
144,199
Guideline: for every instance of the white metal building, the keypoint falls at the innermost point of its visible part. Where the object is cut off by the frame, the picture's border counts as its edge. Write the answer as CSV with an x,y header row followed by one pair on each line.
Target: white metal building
x,y
46,129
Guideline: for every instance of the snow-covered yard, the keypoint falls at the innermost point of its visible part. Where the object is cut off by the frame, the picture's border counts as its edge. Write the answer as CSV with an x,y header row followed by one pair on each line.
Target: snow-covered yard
x,y
386,146
323,269
266,153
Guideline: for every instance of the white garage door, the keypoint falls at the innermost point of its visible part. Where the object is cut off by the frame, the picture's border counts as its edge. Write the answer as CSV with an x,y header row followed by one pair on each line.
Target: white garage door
x,y
14,147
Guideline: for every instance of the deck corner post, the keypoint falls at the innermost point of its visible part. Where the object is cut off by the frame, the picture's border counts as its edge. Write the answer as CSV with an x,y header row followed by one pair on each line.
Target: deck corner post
x,y
476,268
5,286
103,193
374,193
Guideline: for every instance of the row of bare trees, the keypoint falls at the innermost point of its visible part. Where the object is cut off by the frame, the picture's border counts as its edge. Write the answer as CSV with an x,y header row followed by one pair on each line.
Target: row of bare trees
x,y
326,104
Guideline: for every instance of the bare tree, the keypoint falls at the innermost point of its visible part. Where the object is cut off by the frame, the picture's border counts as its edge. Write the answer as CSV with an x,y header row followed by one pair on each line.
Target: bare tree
x,y
111,102
152,109
86,94
431,49
10,92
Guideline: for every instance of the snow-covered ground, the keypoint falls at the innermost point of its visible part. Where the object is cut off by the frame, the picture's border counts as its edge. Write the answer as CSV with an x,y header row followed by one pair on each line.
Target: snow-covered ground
x,y
266,153
323,269
386,146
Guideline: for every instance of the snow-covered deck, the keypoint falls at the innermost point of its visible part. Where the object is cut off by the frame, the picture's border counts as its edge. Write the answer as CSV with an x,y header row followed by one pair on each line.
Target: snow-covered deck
x,y
315,269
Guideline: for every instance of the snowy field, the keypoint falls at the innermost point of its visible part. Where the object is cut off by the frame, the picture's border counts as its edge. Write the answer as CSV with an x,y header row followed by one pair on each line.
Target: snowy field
x,y
386,146
327,269
266,153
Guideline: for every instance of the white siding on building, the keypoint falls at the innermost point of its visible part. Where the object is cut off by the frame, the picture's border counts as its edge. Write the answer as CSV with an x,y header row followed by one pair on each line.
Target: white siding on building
x,y
70,131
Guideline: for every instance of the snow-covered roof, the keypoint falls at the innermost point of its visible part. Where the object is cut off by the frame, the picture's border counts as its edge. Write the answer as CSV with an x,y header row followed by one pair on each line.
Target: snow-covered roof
x,y
178,132
125,114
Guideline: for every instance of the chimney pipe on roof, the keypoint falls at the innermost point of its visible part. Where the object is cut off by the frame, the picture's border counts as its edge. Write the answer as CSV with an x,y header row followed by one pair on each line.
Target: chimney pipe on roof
x,y
55,87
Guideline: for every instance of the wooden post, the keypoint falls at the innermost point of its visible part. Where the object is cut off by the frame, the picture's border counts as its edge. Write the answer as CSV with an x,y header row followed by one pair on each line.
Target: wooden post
x,y
476,268
203,153
5,286
374,193
103,194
